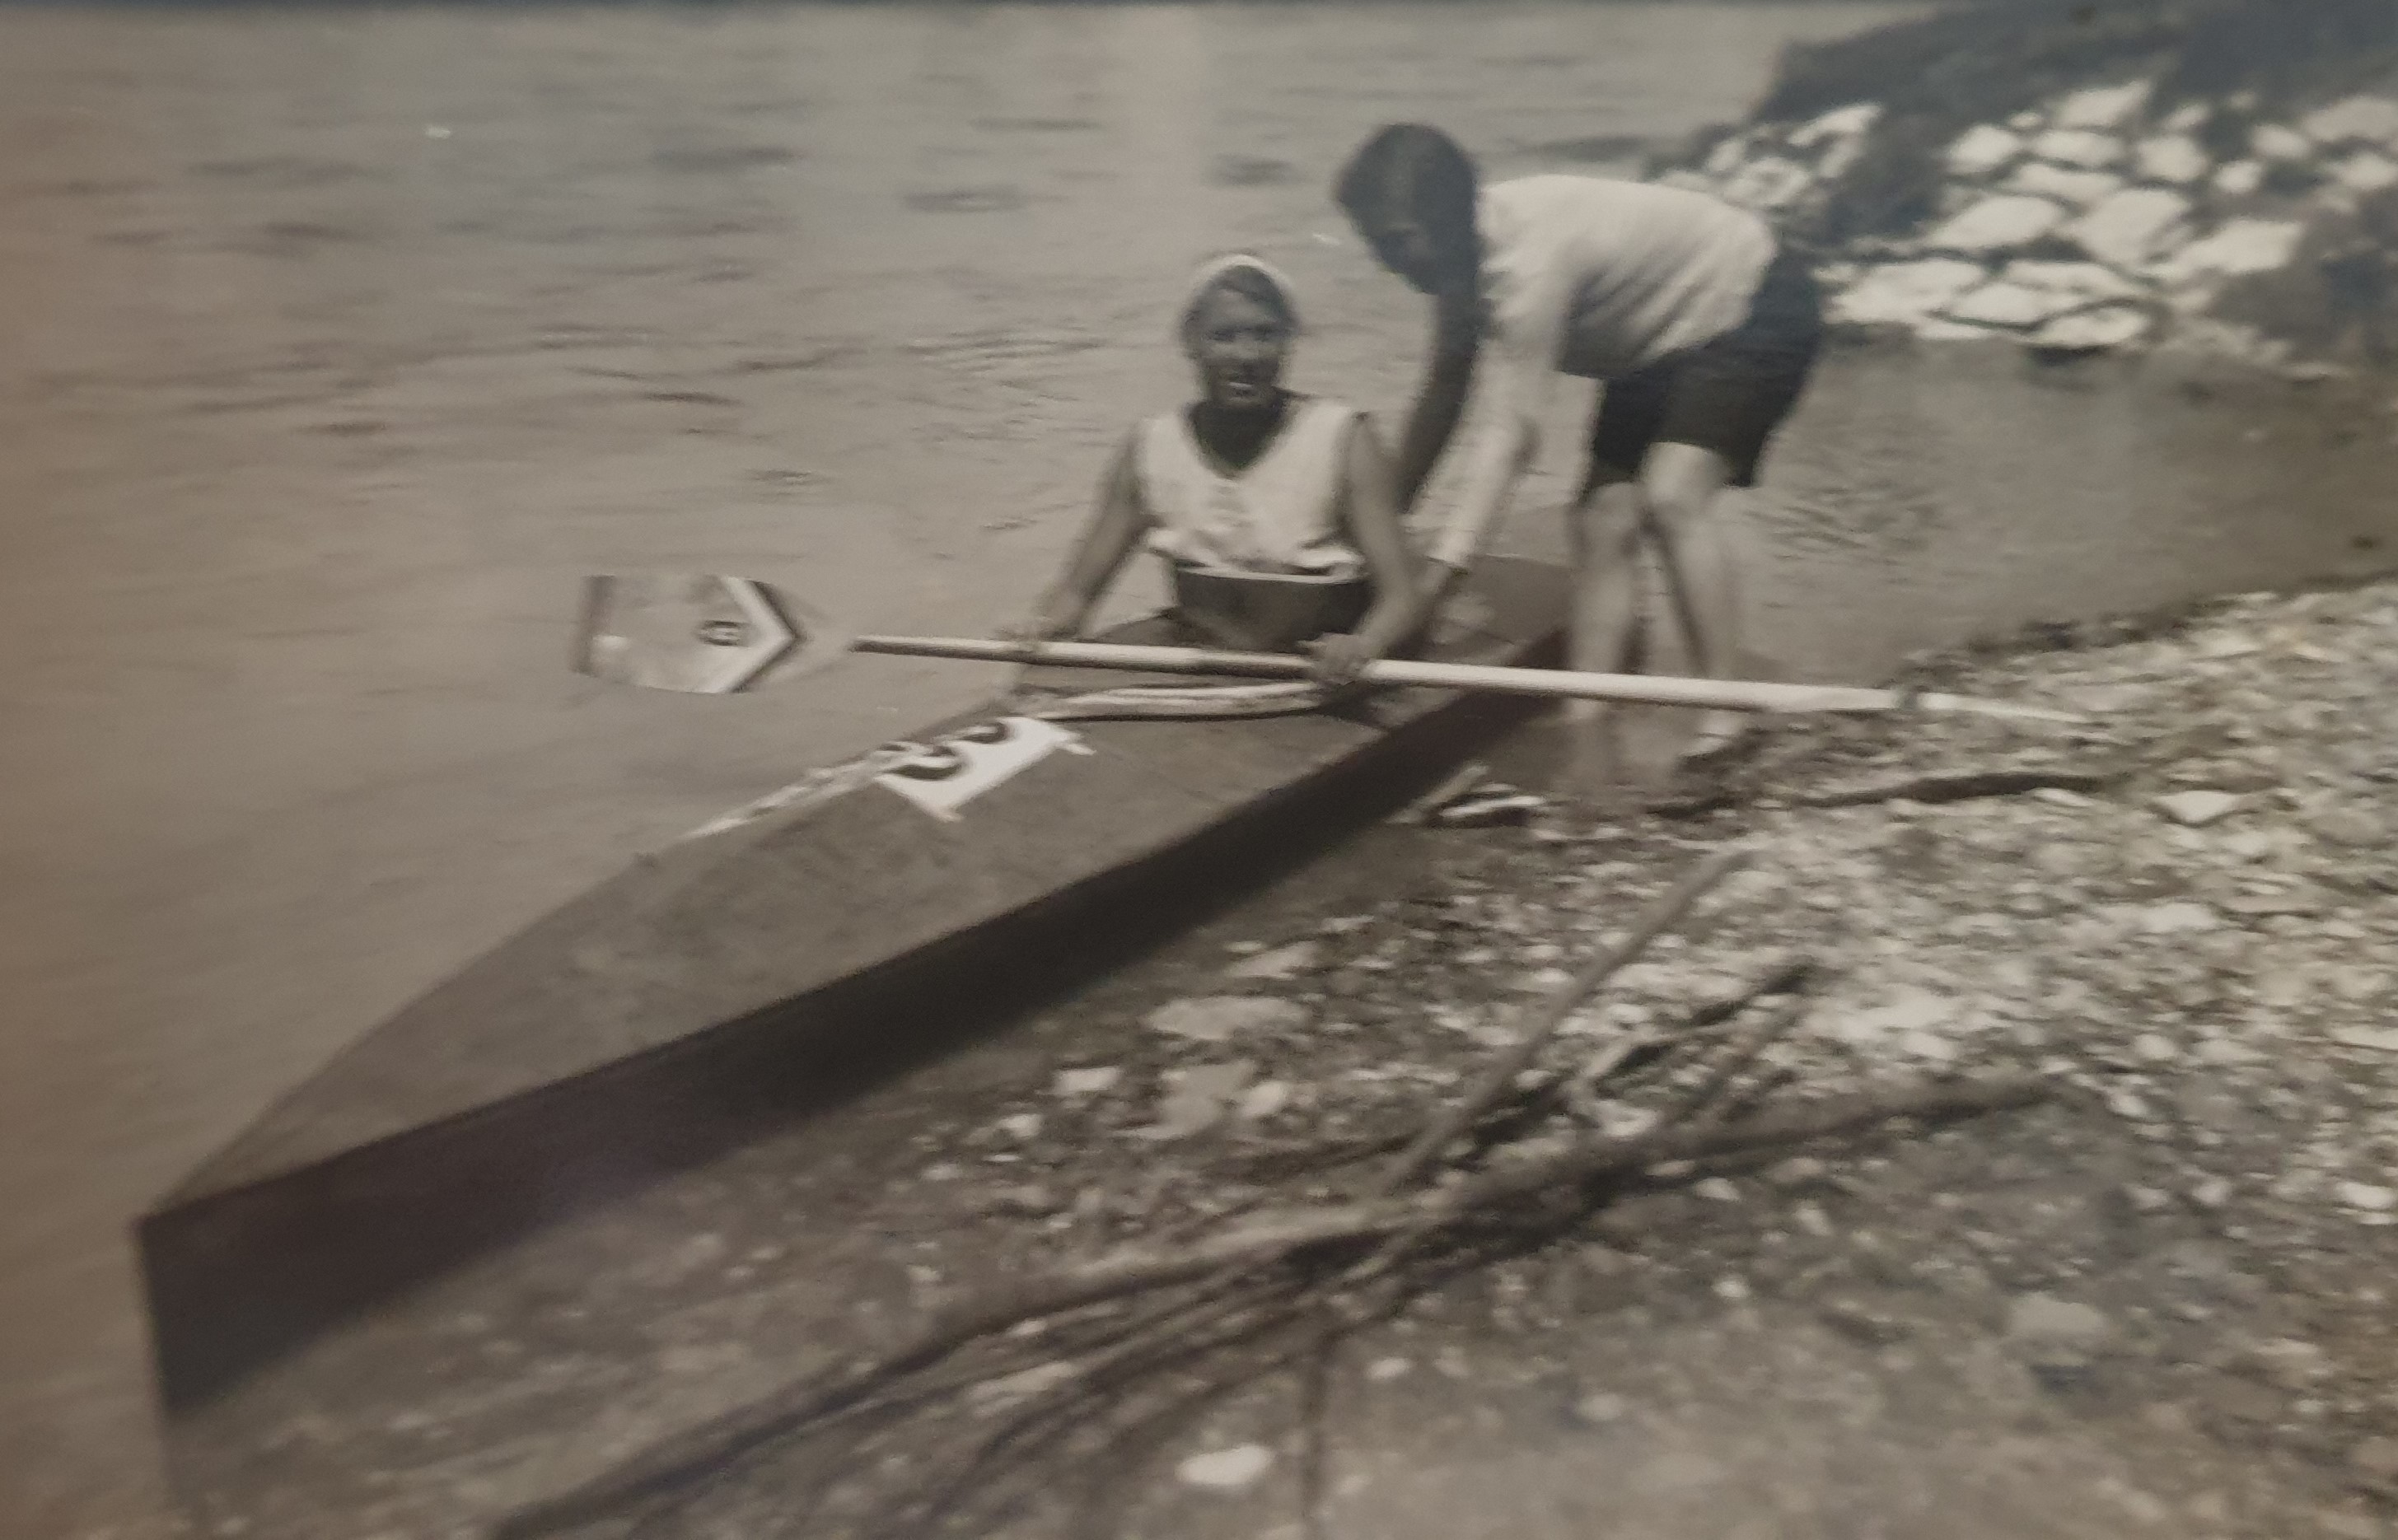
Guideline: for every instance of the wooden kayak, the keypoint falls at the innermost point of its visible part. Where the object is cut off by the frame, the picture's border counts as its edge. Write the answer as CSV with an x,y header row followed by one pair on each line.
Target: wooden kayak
x,y
781,955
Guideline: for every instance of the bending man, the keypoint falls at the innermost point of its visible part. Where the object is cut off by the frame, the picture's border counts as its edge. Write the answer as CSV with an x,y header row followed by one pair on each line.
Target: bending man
x,y
1701,327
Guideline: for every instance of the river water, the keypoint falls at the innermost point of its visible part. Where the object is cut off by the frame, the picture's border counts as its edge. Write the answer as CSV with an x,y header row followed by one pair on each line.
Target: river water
x,y
341,344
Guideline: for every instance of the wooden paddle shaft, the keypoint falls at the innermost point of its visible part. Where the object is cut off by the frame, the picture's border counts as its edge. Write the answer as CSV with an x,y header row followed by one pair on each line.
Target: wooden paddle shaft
x,y
1645,689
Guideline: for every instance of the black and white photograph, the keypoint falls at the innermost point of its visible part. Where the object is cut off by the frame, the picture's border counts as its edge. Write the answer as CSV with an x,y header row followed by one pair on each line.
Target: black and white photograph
x,y
1286,770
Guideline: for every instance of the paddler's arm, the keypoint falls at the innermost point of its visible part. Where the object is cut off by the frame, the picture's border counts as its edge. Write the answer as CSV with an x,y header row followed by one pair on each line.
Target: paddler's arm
x,y
1370,508
1108,540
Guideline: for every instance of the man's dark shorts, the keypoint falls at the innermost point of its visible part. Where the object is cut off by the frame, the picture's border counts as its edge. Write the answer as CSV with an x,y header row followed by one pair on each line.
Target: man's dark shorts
x,y
1728,394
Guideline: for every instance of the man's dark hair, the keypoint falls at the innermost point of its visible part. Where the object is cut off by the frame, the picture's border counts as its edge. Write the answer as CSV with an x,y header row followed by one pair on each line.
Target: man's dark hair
x,y
1412,167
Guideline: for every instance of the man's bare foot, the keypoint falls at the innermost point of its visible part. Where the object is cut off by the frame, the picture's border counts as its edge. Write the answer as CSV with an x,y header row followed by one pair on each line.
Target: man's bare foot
x,y
1596,774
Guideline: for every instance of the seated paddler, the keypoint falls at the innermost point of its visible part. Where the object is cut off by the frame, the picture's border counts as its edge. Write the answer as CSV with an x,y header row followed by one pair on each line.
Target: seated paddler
x,y
1276,512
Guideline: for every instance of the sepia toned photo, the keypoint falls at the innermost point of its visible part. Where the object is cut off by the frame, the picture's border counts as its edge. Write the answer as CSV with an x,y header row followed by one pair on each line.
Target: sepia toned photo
x,y
1303,769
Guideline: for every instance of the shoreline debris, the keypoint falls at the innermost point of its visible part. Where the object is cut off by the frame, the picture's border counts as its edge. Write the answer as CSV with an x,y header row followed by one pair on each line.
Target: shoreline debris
x,y
1297,1275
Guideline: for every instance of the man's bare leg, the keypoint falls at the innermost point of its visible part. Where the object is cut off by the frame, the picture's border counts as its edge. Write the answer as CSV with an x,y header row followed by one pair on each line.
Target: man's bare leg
x,y
1604,533
1681,489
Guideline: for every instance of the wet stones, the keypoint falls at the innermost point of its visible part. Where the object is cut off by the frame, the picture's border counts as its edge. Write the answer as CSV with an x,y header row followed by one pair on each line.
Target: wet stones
x,y
2276,143
1905,292
2074,189
2292,1364
2130,227
2103,107
2056,1336
2240,179
2079,149
1984,151
1842,124
2365,171
1076,1084
2175,159
1219,1018
1281,962
2352,120
2002,223
2072,284
2239,247
1227,1470
2008,304
2168,210
2195,809
2094,330
1785,171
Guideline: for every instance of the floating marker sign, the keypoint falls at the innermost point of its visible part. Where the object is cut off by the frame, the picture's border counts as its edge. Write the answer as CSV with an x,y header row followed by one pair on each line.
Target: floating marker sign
x,y
697,632
952,772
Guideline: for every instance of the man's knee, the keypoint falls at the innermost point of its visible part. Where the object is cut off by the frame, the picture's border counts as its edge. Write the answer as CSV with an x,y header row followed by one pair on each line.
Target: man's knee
x,y
1672,511
1679,484
1607,524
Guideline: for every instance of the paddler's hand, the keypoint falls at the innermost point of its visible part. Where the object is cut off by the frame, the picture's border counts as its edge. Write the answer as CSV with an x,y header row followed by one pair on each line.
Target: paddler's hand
x,y
1340,658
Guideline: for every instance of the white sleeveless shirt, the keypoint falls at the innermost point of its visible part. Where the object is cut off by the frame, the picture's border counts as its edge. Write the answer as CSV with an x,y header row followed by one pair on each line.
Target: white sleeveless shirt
x,y
1281,514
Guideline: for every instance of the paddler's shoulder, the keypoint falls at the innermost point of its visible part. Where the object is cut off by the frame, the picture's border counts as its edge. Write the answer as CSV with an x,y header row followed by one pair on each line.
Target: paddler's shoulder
x,y
1326,417
1306,403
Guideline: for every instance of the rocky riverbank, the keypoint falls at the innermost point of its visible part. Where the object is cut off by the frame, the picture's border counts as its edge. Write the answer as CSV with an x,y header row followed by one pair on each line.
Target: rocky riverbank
x,y
2220,177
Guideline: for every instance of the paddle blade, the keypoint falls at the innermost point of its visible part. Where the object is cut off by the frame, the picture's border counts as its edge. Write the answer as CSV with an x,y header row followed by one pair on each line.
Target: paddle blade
x,y
697,632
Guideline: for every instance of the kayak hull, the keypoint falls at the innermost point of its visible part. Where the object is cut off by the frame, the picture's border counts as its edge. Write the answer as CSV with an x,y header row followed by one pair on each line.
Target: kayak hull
x,y
781,959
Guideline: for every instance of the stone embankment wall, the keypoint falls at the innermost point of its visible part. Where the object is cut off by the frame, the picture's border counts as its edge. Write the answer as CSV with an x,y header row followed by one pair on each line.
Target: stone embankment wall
x,y
2103,218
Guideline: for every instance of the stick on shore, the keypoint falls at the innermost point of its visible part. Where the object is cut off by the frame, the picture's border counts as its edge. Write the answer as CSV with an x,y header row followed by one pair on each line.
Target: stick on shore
x,y
1268,1237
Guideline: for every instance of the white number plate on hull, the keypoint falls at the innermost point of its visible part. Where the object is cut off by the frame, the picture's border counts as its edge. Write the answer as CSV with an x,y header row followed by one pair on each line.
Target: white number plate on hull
x,y
947,774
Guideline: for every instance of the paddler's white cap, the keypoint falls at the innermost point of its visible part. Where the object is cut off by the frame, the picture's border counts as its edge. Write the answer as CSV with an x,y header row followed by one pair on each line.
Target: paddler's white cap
x,y
1216,269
